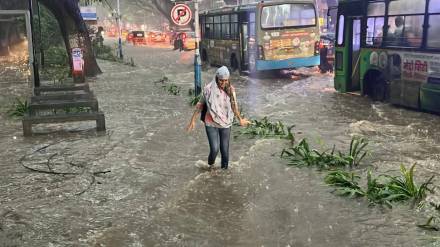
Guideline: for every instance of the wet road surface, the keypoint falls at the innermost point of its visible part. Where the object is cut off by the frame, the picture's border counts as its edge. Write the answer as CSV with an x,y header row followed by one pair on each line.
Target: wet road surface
x,y
143,182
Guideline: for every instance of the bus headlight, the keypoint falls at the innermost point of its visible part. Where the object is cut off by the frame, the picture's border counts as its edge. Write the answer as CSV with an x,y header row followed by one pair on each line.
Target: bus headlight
x,y
317,48
260,52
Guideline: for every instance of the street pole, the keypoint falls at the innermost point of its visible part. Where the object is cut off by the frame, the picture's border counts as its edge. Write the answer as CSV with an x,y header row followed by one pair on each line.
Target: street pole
x,y
197,61
118,19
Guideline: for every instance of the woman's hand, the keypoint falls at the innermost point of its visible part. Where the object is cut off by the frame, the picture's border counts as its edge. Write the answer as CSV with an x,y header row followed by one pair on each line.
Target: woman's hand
x,y
244,122
190,126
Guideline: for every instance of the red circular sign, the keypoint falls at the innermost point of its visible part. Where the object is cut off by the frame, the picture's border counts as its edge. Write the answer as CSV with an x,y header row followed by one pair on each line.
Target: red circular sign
x,y
181,14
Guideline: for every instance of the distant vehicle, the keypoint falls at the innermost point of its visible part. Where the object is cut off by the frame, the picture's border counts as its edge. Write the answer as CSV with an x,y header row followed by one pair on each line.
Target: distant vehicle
x,y
189,40
129,37
269,35
139,38
156,36
185,39
327,51
112,32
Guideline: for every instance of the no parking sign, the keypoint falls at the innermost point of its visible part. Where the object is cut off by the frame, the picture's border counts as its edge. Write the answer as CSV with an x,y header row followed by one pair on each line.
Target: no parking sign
x,y
181,14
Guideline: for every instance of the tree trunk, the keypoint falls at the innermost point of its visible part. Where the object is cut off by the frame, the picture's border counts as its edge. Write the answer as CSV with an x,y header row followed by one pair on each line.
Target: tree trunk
x,y
74,31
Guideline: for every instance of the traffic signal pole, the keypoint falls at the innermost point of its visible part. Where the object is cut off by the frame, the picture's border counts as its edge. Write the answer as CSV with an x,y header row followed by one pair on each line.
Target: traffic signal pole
x,y
197,60
118,18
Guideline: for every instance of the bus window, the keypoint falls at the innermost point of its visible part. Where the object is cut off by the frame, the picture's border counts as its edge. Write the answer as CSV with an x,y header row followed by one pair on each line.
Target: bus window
x,y
209,27
341,30
434,24
403,7
434,6
226,32
234,26
217,27
405,31
374,31
375,23
288,15
252,24
376,9
434,31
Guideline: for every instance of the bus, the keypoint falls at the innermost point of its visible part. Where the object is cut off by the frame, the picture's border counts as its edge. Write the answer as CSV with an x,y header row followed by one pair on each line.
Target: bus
x,y
390,51
262,36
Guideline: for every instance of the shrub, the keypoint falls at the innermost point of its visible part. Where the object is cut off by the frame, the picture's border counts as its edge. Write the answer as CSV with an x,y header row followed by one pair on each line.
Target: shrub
x,y
19,108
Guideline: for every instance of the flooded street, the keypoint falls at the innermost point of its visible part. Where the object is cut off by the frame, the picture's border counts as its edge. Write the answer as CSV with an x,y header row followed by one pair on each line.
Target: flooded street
x,y
144,182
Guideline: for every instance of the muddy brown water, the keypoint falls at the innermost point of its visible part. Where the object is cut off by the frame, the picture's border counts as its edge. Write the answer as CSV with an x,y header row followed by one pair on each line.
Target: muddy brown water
x,y
143,182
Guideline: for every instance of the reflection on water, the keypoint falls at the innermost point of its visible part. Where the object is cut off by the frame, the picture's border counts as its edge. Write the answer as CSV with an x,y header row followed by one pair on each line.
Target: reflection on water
x,y
14,67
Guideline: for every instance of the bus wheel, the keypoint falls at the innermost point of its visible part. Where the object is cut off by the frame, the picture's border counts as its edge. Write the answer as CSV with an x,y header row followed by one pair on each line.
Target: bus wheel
x,y
234,63
378,87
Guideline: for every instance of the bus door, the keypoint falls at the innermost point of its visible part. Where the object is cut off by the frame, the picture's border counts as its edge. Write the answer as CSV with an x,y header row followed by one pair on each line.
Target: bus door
x,y
248,42
347,46
354,53
244,39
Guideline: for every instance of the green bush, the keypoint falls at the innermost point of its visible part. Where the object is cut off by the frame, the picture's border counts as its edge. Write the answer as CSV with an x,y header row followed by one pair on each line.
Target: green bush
x,y
19,108
303,155
383,189
265,129
56,56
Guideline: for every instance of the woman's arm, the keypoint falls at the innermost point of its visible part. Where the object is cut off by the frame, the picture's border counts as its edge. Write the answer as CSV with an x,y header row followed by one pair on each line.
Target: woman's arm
x,y
192,123
234,106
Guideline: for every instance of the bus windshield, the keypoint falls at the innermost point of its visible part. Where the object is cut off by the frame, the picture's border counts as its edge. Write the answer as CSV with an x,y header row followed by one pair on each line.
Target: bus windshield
x,y
288,15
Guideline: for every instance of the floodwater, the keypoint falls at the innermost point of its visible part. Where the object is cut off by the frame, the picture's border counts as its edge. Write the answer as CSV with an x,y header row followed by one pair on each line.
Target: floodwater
x,y
144,182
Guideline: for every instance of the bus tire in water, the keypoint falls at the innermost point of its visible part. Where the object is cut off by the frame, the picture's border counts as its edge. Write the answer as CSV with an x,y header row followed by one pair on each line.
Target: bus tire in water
x,y
377,87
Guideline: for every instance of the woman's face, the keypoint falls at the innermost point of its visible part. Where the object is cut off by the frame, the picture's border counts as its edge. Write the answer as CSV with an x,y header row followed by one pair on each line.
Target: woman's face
x,y
222,83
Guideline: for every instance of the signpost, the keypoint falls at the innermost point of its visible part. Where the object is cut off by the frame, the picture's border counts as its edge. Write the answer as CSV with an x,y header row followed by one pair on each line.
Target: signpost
x,y
197,61
181,15
118,19
78,64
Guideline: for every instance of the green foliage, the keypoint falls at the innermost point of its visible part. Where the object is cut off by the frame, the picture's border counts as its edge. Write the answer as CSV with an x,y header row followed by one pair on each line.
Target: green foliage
x,y
405,188
347,183
356,152
105,52
56,73
50,31
172,89
19,108
265,129
56,56
383,189
303,155
194,99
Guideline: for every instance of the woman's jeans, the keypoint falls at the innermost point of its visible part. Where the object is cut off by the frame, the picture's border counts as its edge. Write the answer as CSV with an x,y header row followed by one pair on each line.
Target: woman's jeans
x,y
218,140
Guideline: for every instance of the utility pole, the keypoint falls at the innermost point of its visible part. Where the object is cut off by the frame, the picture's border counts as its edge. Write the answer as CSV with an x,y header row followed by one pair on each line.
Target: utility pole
x,y
118,20
197,60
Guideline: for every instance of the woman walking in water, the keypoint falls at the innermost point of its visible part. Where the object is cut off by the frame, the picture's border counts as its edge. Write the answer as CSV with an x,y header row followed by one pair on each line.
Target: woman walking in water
x,y
218,106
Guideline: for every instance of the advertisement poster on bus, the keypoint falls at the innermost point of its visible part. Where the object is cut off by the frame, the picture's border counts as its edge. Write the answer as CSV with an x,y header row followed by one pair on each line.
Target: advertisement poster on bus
x,y
408,66
288,44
